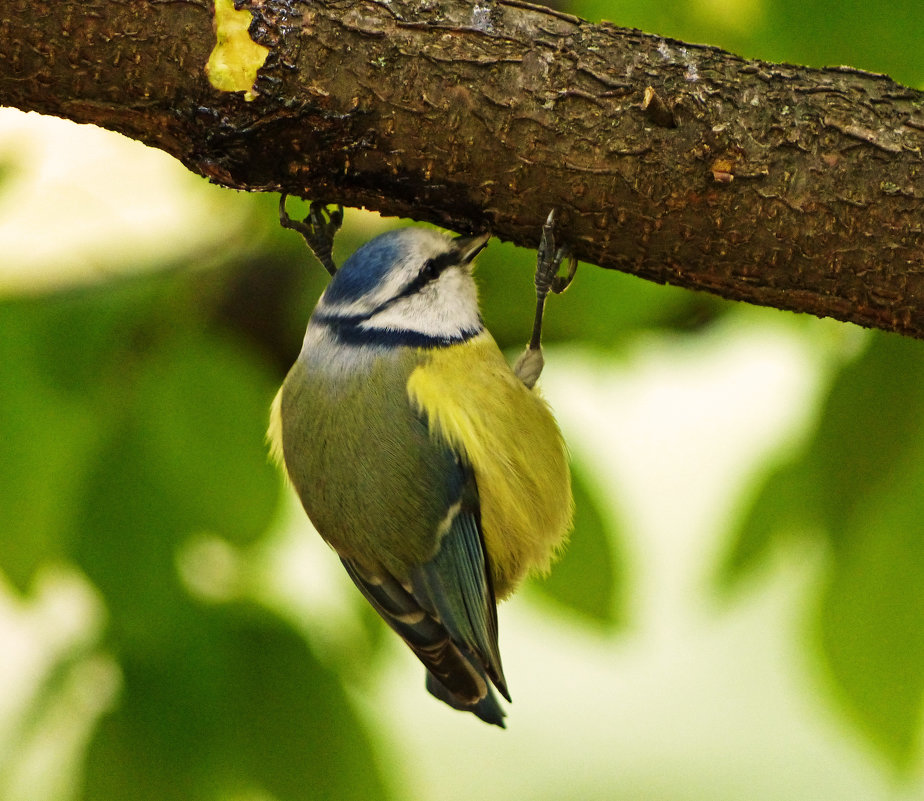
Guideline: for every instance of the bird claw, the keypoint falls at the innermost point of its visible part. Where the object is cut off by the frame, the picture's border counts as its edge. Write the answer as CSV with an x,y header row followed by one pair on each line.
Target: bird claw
x,y
549,260
318,229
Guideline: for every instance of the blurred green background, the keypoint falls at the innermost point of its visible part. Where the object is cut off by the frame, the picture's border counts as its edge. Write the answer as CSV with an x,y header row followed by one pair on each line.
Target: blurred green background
x,y
740,614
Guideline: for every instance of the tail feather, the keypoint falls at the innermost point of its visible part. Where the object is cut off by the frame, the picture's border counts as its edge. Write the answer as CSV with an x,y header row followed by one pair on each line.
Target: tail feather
x,y
454,675
488,708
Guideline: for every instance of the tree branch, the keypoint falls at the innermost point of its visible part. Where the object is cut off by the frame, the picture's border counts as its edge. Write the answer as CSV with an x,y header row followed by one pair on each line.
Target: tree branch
x,y
779,185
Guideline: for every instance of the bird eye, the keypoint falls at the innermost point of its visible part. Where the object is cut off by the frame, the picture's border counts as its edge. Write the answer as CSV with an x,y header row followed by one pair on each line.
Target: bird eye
x,y
436,266
430,270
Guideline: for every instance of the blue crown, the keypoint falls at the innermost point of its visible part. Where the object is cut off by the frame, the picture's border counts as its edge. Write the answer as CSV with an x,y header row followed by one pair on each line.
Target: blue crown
x,y
368,266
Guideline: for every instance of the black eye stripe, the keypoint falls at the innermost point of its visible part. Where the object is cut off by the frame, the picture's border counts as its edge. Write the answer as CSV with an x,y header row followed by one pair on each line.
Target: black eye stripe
x,y
438,264
432,269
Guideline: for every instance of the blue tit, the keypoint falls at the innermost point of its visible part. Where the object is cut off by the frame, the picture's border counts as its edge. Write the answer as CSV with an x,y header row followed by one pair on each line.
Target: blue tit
x,y
439,477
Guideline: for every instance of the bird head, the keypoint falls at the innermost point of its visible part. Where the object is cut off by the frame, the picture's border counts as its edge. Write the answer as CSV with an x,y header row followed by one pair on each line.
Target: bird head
x,y
413,280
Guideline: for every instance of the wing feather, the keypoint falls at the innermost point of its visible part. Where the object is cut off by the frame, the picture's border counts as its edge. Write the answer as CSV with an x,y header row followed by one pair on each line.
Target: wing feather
x,y
455,586
456,674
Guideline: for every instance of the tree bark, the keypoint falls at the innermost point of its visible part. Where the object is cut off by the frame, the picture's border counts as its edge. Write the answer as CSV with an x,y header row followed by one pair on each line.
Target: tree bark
x,y
780,185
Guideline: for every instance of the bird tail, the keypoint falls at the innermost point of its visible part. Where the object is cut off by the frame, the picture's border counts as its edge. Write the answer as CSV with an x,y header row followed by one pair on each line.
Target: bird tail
x,y
454,676
488,708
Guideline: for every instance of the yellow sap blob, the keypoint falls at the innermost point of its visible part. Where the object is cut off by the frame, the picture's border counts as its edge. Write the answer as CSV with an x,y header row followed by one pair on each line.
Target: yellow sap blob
x,y
235,59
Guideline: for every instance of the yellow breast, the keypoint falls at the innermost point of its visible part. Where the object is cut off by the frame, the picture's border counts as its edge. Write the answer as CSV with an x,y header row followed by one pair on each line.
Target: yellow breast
x,y
474,402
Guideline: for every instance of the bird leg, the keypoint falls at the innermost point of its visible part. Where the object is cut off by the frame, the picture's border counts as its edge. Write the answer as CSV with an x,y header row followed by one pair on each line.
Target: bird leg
x,y
548,261
318,229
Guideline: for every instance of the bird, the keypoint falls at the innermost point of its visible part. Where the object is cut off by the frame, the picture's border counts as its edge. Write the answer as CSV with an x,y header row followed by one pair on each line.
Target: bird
x,y
434,470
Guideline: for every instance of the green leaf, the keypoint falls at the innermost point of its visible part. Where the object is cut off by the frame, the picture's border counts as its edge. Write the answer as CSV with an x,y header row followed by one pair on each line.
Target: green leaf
x,y
68,359
868,461
200,407
859,487
236,704
870,428
868,432
187,456
295,732
48,434
589,577
871,618
783,507
883,37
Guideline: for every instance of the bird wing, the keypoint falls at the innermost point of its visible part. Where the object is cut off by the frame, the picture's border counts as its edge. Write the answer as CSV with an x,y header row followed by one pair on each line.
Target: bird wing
x,y
455,585
447,613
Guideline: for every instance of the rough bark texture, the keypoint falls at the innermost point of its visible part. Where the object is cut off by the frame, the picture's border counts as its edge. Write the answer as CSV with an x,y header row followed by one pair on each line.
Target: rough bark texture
x,y
780,185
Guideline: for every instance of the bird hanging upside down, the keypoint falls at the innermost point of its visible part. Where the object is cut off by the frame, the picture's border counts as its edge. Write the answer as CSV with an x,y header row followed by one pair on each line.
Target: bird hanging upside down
x,y
436,471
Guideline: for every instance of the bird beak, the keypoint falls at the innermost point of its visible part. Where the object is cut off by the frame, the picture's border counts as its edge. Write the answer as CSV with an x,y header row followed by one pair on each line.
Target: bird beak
x,y
470,246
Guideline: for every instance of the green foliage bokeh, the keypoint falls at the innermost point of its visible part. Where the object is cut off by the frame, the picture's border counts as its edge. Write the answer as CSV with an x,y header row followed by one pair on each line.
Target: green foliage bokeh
x,y
132,417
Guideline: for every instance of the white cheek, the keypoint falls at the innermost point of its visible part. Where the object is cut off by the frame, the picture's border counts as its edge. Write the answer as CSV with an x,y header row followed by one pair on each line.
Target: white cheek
x,y
445,308
391,286
456,288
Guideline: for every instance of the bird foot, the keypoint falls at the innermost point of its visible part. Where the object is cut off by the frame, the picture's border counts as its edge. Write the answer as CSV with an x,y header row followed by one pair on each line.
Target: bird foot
x,y
549,260
318,229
